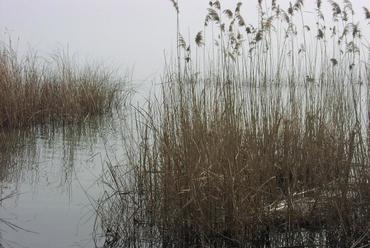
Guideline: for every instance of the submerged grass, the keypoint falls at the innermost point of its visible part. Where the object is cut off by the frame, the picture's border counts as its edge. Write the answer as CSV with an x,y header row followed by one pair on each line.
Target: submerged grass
x,y
261,143
34,92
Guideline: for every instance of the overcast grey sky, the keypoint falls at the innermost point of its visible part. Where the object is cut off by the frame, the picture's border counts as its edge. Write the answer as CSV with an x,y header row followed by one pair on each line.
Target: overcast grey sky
x,y
130,34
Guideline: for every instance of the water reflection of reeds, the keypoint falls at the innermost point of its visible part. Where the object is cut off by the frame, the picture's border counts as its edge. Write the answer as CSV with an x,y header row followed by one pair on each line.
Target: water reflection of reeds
x,y
20,149
55,169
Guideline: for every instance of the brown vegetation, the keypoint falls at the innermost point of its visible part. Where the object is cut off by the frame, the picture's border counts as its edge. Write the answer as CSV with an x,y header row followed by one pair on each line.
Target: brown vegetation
x,y
35,92
262,145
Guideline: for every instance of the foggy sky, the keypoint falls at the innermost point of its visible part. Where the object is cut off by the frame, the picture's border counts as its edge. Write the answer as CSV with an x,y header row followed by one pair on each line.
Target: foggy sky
x,y
128,34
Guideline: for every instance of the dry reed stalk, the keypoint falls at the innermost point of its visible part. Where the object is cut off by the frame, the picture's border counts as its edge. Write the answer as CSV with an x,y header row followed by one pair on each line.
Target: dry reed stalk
x,y
32,92
260,147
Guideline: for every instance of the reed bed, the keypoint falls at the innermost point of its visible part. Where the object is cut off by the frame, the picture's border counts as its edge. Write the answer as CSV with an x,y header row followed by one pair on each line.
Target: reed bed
x,y
259,139
39,91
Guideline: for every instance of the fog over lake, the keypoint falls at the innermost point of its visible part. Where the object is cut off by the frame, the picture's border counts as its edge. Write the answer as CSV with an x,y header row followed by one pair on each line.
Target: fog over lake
x,y
130,35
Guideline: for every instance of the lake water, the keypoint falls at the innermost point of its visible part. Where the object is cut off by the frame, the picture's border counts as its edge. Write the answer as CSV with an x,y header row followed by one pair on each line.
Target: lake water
x,y
53,178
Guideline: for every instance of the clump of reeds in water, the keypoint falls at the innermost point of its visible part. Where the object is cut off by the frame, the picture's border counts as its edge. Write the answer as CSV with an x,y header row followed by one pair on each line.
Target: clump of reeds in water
x,y
35,91
261,143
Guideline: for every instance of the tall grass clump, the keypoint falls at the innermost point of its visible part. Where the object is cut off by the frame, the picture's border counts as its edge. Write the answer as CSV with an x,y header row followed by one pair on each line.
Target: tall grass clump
x,y
259,141
35,91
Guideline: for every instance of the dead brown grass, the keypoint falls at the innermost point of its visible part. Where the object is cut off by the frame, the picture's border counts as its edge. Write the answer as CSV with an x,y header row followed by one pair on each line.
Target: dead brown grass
x,y
226,173
255,145
36,92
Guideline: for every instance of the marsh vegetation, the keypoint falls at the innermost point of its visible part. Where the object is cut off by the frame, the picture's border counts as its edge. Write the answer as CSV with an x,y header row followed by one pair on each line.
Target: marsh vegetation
x,y
52,109
53,90
258,138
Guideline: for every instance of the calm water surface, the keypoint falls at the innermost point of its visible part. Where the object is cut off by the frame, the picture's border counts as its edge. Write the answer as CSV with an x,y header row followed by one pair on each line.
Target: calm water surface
x,y
54,178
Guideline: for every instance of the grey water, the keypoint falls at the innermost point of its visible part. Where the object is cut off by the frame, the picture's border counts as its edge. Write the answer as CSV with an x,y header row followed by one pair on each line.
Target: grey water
x,y
50,181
